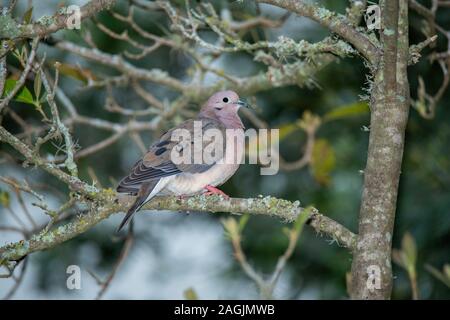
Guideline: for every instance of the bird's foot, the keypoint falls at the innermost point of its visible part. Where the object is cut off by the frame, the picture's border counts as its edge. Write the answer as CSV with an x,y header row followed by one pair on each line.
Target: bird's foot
x,y
213,190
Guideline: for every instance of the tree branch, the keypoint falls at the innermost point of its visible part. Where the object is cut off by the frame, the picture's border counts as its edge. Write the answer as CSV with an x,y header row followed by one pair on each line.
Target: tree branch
x,y
297,73
73,182
19,84
109,204
371,267
334,22
10,29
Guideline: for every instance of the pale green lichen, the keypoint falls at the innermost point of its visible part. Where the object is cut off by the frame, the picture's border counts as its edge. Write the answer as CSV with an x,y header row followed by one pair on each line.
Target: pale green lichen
x,y
63,10
401,98
15,250
63,229
48,237
8,27
46,20
389,32
101,209
324,14
286,47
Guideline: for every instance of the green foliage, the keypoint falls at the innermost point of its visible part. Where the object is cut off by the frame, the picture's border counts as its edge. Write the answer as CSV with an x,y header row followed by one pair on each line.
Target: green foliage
x,y
5,199
75,72
345,111
243,222
190,294
24,95
287,129
308,121
406,257
37,86
301,220
323,161
26,19
232,227
443,276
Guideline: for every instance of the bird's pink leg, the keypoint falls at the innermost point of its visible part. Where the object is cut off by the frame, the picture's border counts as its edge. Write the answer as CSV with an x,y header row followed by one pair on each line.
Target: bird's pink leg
x,y
182,197
213,190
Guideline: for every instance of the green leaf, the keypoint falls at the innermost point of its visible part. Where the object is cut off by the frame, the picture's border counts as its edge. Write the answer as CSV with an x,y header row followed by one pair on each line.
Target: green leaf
x,y
441,276
231,227
76,72
407,257
190,294
37,86
410,250
447,271
27,16
24,95
42,99
301,220
243,222
287,129
5,199
354,109
323,161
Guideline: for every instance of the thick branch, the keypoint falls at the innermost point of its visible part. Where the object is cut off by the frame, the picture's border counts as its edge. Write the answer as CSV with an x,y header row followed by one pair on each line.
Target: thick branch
x,y
268,206
371,267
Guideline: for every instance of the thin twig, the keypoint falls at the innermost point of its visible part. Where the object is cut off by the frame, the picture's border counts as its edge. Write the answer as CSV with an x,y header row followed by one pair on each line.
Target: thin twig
x,y
129,239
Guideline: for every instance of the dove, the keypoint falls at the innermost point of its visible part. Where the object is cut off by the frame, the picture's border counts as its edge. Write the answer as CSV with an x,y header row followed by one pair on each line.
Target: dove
x,y
161,172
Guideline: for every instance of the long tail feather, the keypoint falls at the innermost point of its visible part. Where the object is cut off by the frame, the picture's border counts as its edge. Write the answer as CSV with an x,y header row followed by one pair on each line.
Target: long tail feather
x,y
134,208
142,198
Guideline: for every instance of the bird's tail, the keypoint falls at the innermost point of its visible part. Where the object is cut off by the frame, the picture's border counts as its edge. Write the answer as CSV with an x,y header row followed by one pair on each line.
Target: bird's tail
x,y
134,208
144,195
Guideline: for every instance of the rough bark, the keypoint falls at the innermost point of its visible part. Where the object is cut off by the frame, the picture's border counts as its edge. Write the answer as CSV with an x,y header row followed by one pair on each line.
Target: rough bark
x,y
389,114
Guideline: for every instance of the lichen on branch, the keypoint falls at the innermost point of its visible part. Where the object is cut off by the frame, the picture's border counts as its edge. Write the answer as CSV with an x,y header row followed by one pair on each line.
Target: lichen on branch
x,y
107,204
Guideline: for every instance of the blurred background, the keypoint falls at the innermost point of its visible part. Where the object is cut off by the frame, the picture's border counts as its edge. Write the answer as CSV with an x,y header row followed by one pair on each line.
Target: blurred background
x,y
176,253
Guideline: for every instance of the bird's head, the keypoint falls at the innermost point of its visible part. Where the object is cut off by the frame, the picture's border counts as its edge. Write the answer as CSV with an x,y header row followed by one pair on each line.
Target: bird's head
x,y
223,105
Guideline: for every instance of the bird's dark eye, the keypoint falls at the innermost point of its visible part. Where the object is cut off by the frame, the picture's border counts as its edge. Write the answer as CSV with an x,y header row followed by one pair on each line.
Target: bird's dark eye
x,y
225,99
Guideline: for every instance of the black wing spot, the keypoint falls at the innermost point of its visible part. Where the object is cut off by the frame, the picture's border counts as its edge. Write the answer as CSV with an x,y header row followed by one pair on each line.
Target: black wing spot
x,y
163,143
160,151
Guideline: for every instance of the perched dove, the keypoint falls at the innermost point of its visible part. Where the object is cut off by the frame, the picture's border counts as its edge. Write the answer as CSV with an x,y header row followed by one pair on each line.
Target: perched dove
x,y
160,171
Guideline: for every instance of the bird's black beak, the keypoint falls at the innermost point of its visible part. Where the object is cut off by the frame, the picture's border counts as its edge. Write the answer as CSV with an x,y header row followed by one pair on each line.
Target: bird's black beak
x,y
243,103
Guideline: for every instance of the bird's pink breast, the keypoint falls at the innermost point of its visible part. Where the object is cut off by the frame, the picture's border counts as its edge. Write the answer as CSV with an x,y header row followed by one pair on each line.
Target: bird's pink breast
x,y
194,183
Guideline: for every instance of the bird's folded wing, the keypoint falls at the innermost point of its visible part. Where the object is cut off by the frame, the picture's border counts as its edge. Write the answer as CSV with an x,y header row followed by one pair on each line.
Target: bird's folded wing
x,y
158,162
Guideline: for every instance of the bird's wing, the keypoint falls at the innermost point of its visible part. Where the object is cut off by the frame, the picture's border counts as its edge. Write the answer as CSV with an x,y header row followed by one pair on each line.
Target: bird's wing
x,y
158,162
